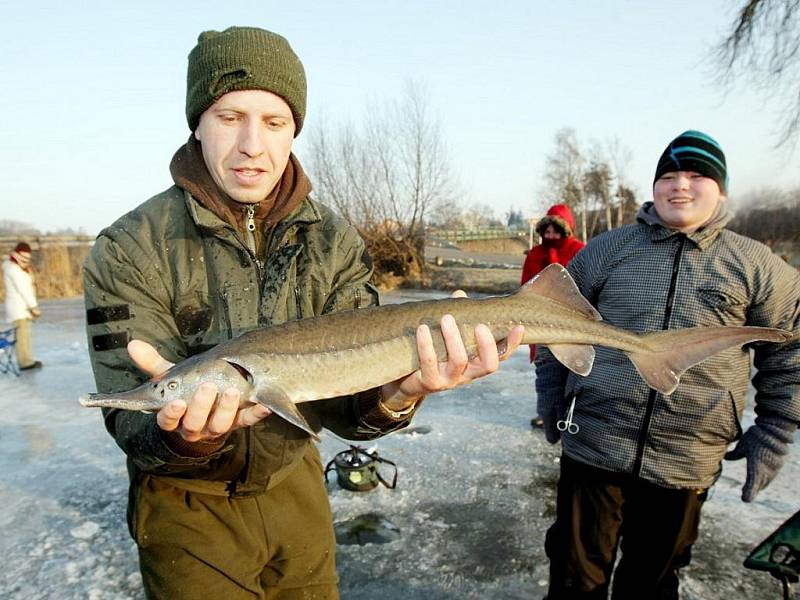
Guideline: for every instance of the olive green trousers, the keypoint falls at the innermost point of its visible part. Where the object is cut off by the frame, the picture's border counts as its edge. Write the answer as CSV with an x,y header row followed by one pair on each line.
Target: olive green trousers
x,y
278,545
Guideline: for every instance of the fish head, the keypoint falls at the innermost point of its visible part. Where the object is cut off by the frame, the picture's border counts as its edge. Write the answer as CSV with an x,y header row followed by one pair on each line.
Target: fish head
x,y
180,382
148,396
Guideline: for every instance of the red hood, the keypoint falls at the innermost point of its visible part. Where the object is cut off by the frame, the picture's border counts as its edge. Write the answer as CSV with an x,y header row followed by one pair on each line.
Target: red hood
x,y
562,211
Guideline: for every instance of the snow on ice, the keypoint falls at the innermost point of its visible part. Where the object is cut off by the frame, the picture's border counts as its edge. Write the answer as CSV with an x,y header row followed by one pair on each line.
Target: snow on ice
x,y
474,497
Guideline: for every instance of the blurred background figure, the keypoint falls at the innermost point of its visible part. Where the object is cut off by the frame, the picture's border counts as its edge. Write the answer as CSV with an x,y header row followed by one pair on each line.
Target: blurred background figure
x,y
558,245
21,305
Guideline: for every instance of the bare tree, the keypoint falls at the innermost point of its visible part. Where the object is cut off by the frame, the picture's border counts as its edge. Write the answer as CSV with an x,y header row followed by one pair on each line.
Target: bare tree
x,y
764,43
478,216
10,227
564,175
592,183
771,216
627,204
597,188
446,215
619,159
386,174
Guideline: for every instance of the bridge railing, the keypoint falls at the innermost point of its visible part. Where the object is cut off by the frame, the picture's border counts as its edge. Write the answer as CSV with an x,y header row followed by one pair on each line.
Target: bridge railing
x,y
467,235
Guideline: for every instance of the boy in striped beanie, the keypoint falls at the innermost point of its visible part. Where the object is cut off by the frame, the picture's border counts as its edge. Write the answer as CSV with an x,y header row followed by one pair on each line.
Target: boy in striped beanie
x,y
640,466
695,151
691,182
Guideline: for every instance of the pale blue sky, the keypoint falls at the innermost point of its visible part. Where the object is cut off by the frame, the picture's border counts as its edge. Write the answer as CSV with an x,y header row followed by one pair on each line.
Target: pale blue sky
x,y
93,92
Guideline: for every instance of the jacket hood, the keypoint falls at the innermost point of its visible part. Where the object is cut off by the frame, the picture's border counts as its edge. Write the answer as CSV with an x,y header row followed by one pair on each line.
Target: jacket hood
x,y
702,237
559,215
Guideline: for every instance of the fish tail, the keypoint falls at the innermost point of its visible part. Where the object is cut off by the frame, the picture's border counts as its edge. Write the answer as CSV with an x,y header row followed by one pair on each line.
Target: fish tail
x,y
668,354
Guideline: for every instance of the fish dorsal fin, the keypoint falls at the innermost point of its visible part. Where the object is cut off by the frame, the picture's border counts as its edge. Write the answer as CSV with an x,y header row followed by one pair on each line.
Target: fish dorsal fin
x,y
578,358
555,282
278,401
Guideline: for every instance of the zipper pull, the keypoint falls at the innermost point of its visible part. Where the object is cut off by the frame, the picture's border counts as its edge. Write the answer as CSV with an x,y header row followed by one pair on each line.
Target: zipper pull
x,y
250,225
250,221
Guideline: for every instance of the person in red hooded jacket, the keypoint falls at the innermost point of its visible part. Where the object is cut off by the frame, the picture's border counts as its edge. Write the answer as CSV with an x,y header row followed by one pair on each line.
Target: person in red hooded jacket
x,y
558,245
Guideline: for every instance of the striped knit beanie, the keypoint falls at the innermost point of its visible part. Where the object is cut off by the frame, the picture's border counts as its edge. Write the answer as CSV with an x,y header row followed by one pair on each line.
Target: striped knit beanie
x,y
243,58
698,152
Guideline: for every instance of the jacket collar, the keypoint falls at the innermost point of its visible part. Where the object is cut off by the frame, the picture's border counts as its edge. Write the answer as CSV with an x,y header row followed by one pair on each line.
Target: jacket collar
x,y
305,213
189,172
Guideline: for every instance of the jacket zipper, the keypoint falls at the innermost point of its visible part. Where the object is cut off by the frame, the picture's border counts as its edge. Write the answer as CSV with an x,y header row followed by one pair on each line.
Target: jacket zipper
x,y
651,399
250,227
250,237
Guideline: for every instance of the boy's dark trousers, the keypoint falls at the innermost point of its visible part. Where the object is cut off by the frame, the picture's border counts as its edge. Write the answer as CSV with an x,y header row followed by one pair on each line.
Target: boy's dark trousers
x,y
597,511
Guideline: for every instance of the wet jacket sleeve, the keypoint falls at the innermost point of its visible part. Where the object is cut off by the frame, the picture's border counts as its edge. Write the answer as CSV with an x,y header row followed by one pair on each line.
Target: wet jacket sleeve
x,y
126,300
361,416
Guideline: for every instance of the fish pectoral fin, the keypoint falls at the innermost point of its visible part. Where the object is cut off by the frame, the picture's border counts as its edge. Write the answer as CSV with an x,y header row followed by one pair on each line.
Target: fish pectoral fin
x,y
555,282
578,358
275,399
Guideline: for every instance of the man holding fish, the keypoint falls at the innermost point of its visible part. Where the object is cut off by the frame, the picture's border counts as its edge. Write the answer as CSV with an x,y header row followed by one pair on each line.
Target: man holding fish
x,y
637,463
227,500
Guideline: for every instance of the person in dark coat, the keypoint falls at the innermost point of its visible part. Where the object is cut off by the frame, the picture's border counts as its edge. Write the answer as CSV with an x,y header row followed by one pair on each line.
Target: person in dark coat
x,y
637,470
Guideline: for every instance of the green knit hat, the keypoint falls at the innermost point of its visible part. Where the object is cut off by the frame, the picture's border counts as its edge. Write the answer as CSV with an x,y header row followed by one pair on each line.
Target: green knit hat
x,y
243,58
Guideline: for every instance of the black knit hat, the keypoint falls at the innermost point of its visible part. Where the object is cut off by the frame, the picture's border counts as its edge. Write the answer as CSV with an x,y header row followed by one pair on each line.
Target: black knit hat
x,y
698,152
243,58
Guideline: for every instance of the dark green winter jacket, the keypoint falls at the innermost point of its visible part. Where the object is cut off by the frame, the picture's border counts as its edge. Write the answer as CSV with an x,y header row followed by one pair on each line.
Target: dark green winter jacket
x,y
173,274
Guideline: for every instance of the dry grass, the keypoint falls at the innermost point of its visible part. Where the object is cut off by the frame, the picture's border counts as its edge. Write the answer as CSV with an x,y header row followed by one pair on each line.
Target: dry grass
x,y
511,246
57,269
471,280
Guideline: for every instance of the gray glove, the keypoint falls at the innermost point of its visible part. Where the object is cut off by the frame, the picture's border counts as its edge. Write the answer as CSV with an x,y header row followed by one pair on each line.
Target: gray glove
x,y
765,446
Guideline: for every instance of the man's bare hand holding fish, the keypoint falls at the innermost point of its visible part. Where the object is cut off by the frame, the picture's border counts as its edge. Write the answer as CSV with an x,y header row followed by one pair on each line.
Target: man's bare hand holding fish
x,y
409,349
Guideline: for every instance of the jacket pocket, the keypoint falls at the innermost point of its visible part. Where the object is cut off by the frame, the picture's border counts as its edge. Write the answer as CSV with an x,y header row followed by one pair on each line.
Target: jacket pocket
x,y
705,414
727,305
194,319
736,419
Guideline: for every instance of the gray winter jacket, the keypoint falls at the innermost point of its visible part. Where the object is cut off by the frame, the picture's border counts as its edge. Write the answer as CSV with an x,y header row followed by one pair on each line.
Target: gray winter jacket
x,y
645,277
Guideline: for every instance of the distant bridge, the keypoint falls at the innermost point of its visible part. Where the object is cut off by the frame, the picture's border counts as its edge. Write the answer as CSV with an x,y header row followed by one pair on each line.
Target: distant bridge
x,y
42,241
468,235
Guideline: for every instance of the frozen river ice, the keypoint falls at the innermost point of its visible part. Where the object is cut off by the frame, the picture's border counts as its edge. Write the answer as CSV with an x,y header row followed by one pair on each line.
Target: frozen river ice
x,y
474,497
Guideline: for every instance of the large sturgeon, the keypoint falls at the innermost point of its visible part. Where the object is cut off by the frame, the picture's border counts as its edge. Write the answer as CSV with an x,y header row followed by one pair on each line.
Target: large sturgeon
x,y
348,352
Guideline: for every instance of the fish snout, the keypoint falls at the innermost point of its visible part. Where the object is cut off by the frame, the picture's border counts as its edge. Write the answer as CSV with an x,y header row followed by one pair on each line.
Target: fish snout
x,y
87,400
135,399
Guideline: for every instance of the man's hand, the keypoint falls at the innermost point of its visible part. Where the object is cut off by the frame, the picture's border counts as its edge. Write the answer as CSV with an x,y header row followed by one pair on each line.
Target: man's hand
x,y
434,376
207,415
35,312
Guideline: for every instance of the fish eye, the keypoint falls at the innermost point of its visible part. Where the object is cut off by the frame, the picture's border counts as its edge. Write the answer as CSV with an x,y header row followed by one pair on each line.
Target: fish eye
x,y
172,385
